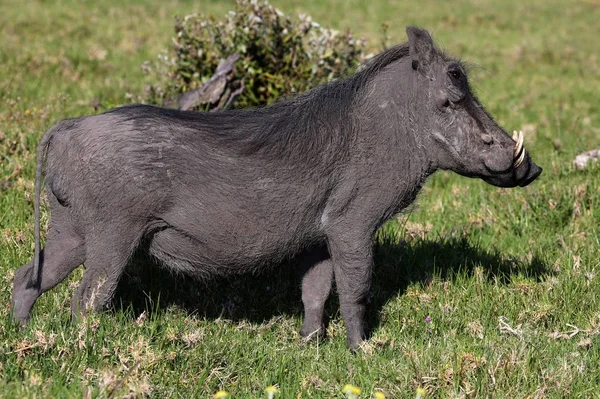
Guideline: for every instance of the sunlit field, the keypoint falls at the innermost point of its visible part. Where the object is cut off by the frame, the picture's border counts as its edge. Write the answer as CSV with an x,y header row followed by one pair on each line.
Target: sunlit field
x,y
478,291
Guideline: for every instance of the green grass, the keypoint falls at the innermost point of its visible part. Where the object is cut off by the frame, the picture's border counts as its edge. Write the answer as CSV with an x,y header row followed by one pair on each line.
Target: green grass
x,y
509,278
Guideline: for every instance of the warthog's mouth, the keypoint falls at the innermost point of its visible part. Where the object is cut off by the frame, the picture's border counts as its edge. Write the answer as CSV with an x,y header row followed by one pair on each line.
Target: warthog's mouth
x,y
522,171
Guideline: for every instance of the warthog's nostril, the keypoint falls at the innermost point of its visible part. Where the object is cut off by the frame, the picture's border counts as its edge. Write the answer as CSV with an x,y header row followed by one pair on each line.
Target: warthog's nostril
x,y
487,138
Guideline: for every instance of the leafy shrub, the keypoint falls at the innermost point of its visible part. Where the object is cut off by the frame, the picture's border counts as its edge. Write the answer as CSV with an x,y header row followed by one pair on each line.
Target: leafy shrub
x,y
278,56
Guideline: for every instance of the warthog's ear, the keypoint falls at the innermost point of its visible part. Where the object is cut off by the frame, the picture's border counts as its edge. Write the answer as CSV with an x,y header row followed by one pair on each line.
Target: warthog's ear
x,y
421,47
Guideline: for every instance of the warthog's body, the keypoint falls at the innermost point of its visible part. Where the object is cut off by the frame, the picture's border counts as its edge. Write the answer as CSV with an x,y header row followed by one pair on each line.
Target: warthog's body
x,y
224,193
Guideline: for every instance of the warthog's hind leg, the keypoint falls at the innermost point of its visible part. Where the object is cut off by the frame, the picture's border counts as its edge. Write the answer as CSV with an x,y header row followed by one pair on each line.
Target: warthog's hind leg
x,y
63,253
107,253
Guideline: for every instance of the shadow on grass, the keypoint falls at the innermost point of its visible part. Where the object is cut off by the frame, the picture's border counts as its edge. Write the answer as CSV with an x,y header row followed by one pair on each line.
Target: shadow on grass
x,y
257,298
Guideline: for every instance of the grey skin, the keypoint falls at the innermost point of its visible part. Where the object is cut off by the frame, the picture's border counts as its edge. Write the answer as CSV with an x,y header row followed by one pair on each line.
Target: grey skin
x,y
232,192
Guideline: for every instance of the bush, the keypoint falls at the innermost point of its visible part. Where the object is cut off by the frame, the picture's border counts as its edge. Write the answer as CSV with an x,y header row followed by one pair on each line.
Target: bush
x,y
278,56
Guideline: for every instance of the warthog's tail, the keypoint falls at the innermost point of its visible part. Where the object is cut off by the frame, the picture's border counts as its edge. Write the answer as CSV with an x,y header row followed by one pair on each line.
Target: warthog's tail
x,y
35,275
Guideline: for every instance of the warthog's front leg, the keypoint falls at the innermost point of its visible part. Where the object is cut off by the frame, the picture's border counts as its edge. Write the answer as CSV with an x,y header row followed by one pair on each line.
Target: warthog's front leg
x,y
316,284
352,265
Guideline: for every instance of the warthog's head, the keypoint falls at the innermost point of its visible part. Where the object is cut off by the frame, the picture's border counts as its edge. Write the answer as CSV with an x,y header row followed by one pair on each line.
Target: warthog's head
x,y
461,136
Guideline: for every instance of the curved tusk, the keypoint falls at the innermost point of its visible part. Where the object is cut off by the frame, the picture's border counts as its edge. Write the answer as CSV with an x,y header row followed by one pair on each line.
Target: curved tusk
x,y
519,150
520,160
519,145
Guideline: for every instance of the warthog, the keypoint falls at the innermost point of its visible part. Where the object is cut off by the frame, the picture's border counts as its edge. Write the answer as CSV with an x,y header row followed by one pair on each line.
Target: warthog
x,y
230,192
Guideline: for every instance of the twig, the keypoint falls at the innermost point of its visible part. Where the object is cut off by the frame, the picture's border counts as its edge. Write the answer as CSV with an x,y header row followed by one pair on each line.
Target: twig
x,y
505,327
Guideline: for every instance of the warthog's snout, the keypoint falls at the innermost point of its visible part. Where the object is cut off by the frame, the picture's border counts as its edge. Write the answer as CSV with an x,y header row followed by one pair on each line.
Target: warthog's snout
x,y
522,171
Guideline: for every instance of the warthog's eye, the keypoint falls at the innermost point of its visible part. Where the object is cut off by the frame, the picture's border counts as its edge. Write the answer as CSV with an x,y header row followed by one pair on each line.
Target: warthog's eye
x,y
455,74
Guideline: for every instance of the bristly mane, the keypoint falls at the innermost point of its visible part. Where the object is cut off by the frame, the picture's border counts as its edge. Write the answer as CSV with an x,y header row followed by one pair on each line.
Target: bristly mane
x,y
380,61
316,122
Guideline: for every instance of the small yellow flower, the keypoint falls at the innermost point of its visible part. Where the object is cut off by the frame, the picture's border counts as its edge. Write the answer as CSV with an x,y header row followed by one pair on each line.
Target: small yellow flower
x,y
27,111
351,391
379,395
271,391
421,393
222,395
